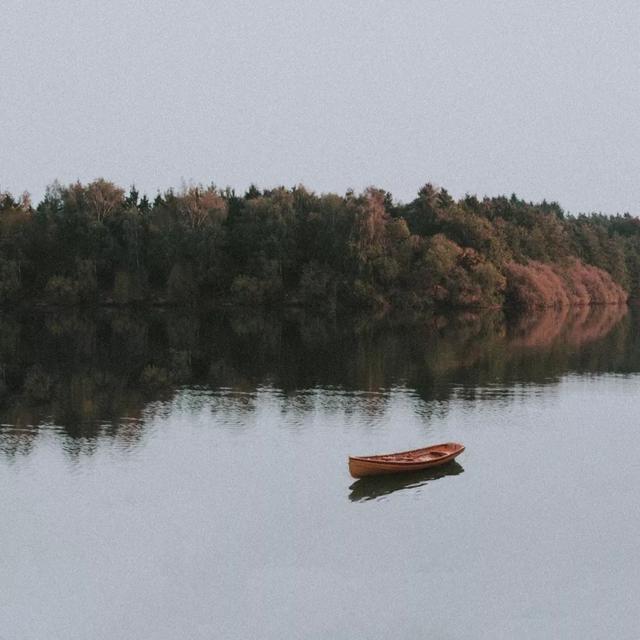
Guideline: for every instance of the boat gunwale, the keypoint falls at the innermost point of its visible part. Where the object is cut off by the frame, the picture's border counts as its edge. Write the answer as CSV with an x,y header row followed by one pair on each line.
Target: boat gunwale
x,y
377,458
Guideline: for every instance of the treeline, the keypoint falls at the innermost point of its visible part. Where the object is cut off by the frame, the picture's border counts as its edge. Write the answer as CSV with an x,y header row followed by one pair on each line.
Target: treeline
x,y
96,243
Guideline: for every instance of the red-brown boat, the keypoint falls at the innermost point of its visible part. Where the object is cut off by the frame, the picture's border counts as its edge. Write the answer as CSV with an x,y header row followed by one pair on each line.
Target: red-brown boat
x,y
414,460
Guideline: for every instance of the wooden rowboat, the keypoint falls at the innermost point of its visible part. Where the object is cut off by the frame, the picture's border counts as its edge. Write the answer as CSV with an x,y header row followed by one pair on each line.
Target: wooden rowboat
x,y
414,460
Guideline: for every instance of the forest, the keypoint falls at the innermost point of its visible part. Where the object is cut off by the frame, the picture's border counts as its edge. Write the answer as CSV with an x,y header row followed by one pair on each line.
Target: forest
x,y
99,244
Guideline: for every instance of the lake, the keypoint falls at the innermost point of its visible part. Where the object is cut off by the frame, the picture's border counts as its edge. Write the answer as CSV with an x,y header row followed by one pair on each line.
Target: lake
x,y
168,474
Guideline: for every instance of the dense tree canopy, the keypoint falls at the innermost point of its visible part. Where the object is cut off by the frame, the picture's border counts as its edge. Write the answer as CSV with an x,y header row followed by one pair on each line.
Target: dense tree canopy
x,y
95,243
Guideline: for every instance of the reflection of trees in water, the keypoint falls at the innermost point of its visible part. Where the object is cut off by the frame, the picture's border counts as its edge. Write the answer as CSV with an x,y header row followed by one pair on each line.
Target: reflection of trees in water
x,y
16,440
574,325
97,373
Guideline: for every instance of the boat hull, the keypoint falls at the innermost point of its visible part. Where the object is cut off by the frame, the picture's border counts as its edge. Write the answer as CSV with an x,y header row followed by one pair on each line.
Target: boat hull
x,y
404,461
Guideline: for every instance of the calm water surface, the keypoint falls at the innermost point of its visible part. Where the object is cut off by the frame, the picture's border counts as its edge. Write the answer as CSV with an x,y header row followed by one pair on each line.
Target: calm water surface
x,y
185,477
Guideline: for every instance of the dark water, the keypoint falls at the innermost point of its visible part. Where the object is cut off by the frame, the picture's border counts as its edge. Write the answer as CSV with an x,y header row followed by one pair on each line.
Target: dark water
x,y
167,475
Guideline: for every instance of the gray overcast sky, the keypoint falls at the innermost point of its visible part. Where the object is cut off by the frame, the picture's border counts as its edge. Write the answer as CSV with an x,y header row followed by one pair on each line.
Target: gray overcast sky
x,y
537,97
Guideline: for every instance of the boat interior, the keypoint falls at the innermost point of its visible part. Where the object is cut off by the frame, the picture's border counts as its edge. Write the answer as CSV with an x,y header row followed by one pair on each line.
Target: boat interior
x,y
418,455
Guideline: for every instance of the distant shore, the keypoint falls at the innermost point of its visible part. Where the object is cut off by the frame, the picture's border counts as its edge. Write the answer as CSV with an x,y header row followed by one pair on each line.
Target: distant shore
x,y
97,244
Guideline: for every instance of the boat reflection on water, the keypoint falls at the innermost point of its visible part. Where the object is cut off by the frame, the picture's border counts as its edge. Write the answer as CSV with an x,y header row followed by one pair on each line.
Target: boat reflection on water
x,y
375,487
